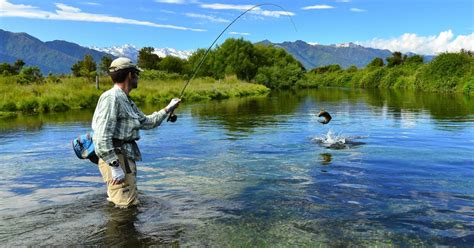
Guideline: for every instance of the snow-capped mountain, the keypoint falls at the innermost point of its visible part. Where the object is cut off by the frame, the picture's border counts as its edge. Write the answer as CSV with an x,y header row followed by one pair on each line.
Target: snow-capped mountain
x,y
131,51
348,44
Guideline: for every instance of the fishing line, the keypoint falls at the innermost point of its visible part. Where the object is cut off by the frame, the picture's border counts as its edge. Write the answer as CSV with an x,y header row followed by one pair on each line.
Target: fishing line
x,y
172,117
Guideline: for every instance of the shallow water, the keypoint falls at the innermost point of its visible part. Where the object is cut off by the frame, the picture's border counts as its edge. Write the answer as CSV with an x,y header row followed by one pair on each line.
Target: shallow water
x,y
255,172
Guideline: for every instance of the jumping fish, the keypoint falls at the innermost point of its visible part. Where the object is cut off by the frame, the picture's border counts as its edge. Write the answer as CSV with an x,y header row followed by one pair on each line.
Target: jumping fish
x,y
326,115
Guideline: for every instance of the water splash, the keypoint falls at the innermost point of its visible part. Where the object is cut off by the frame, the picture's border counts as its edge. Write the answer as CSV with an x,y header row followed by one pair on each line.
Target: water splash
x,y
337,141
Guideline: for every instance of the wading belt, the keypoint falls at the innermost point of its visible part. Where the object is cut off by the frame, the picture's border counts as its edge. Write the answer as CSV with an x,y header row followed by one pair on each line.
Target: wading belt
x,y
119,150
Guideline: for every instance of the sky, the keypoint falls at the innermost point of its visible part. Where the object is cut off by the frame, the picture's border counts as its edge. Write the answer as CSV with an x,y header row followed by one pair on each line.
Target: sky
x,y
420,26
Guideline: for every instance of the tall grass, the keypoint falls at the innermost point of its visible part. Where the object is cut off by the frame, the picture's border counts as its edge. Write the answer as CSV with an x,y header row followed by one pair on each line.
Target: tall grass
x,y
79,93
448,72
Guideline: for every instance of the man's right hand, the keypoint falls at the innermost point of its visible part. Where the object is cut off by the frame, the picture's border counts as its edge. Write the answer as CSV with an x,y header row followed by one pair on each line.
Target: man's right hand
x,y
174,103
118,176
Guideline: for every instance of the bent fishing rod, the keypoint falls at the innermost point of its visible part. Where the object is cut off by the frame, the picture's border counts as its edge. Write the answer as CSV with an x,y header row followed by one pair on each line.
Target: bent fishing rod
x,y
172,117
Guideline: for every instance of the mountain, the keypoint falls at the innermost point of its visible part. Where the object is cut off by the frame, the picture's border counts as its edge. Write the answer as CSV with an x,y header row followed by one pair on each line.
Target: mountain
x,y
345,55
53,56
131,52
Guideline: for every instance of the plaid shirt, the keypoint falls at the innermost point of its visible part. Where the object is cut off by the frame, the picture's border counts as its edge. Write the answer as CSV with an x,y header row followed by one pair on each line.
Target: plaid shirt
x,y
117,117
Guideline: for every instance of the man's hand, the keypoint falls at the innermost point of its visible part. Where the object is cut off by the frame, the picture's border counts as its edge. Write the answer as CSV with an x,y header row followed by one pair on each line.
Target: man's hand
x,y
172,105
117,175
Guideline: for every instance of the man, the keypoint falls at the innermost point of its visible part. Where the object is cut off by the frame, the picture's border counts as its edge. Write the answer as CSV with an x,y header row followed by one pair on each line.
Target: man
x,y
116,125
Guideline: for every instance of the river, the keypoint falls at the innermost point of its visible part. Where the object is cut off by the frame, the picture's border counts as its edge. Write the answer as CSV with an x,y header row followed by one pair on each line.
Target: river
x,y
256,172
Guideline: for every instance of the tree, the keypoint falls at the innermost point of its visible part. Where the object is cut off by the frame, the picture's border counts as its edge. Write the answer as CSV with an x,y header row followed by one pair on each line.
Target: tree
x,y
376,62
395,60
6,69
29,74
415,59
147,59
18,65
105,64
327,68
172,64
85,68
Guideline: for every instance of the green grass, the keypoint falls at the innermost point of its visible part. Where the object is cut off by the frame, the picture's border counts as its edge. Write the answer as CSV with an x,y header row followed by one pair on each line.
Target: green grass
x,y
79,93
448,72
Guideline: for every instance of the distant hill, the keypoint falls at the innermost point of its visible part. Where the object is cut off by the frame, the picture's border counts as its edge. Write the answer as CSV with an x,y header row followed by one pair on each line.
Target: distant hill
x,y
58,56
345,55
53,56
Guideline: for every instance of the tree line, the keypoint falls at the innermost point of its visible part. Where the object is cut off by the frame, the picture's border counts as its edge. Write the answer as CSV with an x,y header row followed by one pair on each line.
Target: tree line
x,y
275,68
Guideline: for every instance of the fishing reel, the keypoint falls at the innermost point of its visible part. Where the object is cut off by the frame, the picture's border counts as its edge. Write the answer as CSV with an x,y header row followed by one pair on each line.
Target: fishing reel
x,y
172,117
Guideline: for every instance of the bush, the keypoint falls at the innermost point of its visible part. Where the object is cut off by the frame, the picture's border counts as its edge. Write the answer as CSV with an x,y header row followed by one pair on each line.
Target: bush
x,y
9,106
30,106
159,75
29,75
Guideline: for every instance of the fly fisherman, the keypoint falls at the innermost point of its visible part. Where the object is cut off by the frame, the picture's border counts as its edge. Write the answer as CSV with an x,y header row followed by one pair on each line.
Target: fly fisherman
x,y
116,125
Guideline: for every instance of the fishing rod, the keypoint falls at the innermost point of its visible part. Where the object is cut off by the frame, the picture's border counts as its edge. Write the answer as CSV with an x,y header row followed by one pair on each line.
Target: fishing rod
x,y
172,117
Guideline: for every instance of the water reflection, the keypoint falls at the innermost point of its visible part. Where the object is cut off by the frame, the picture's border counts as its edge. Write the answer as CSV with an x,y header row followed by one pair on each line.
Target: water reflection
x,y
326,158
244,115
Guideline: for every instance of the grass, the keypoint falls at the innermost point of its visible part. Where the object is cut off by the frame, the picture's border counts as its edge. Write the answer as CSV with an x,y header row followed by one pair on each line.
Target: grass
x,y
448,73
79,93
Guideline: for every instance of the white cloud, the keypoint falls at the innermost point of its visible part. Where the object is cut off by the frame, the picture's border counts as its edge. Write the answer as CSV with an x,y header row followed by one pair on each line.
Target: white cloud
x,y
357,10
207,17
320,6
91,3
69,13
256,10
427,45
238,33
313,43
226,6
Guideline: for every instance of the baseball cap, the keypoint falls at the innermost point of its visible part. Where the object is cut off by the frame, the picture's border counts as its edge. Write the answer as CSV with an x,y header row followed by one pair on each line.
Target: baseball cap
x,y
122,63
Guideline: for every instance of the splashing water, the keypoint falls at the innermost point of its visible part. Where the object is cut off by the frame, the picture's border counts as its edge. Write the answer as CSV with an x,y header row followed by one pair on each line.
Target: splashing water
x,y
337,141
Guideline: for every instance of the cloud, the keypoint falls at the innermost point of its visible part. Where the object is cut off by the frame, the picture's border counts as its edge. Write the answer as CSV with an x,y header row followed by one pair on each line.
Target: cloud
x,y
91,3
207,17
69,13
313,43
428,45
357,10
256,10
238,33
320,6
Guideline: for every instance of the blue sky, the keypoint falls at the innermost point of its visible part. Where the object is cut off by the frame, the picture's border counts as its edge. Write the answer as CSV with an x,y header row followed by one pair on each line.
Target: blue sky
x,y
424,26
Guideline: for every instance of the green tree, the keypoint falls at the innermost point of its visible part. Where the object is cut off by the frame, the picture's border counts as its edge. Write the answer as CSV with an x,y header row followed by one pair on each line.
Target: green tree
x,y
327,68
236,56
376,62
172,64
415,59
6,69
85,68
18,65
395,59
105,64
147,59
206,69
29,75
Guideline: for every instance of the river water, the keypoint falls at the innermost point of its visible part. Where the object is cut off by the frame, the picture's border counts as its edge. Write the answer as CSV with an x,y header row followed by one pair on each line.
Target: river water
x,y
256,172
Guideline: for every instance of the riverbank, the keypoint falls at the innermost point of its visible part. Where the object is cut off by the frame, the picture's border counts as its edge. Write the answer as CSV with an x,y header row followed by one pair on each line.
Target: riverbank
x,y
79,93
447,73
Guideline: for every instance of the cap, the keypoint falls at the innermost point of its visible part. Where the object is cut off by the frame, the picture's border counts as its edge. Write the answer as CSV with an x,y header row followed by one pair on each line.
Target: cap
x,y
122,63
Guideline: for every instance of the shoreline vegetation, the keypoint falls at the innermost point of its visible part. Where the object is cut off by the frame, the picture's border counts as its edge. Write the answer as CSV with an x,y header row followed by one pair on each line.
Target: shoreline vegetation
x,y
236,68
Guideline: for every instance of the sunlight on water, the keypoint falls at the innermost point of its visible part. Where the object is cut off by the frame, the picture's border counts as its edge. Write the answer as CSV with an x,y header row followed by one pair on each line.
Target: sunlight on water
x,y
388,170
